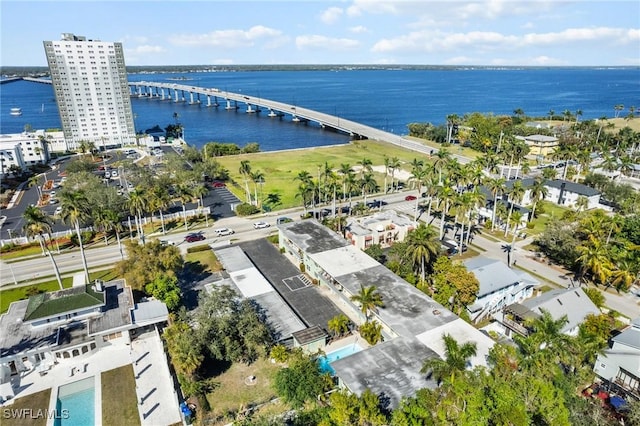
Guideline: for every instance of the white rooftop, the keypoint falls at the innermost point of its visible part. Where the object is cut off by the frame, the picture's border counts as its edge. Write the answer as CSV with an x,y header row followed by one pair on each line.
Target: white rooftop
x,y
343,260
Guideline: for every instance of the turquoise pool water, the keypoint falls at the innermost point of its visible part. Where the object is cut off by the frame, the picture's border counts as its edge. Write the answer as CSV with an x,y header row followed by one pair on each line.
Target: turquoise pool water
x,y
76,403
325,361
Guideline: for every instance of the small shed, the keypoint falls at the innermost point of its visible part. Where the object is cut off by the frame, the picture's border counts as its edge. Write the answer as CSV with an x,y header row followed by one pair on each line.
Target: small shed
x,y
310,339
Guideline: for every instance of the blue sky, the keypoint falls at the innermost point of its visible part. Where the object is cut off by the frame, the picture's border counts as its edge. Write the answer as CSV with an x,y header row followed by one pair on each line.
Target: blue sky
x,y
451,32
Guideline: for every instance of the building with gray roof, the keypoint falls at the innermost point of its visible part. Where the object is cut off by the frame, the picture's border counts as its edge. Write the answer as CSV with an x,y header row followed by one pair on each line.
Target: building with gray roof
x,y
619,365
572,302
412,322
71,323
499,286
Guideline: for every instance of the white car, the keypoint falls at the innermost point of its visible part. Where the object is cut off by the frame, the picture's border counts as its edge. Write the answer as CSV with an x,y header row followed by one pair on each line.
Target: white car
x,y
58,211
261,225
223,231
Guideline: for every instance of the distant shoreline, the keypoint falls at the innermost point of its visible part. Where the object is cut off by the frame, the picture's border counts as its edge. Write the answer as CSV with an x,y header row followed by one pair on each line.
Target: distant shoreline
x,y
31,71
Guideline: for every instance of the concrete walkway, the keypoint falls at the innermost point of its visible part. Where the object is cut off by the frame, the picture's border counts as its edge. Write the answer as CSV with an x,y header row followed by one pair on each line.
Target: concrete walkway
x,y
157,400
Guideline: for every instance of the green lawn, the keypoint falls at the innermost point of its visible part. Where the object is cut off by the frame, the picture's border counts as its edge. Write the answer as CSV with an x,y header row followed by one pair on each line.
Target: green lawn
x,y
119,399
280,168
208,261
234,394
36,402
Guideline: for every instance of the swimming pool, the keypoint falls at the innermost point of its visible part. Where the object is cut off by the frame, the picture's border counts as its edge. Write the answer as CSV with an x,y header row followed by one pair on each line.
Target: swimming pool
x,y
325,361
76,403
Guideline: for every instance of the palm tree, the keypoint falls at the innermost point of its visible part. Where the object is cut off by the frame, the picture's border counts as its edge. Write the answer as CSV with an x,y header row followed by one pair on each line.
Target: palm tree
x,y
365,166
35,181
594,258
256,177
422,248
442,156
159,200
446,196
515,195
516,217
623,275
581,203
345,170
538,191
369,299
245,171
37,224
112,221
138,204
75,208
199,191
418,175
368,185
496,186
456,359
184,194
339,324
394,164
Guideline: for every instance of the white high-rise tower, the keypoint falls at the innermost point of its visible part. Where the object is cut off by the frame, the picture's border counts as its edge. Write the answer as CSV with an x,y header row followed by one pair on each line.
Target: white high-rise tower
x,y
90,83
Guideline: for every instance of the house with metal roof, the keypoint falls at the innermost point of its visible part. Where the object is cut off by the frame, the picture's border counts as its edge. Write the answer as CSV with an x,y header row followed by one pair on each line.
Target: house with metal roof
x,y
412,323
572,302
51,328
619,365
499,286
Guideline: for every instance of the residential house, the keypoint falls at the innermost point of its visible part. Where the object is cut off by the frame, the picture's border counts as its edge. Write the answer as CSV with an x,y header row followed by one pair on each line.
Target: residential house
x,y
383,228
56,327
619,365
540,146
499,286
572,302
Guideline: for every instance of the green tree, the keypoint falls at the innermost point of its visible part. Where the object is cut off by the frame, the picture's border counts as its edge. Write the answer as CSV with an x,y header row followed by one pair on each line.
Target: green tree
x,y
37,224
75,208
453,286
184,194
371,332
165,288
422,248
454,363
339,325
368,298
245,171
145,262
300,382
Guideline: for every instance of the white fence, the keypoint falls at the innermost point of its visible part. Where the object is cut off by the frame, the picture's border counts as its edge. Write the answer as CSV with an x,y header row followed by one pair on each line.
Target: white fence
x,y
128,224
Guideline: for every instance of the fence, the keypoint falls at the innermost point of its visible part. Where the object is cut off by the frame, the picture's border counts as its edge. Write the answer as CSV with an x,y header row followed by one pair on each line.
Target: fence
x,y
127,224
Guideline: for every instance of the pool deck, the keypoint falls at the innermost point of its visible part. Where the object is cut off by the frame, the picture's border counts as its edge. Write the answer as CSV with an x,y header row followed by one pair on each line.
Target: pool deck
x,y
346,341
154,386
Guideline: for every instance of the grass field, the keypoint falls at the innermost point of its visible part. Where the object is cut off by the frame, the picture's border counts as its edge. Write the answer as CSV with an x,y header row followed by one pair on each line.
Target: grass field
x,y
280,168
36,402
119,400
234,394
206,259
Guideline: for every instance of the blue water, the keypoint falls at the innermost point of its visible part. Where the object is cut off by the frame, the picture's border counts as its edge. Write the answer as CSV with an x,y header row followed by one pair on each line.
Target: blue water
x,y
325,361
386,99
76,404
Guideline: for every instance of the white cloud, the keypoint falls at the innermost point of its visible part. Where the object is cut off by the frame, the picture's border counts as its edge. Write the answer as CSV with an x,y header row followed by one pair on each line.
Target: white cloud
x,y
325,43
331,15
377,7
359,29
228,39
573,35
146,49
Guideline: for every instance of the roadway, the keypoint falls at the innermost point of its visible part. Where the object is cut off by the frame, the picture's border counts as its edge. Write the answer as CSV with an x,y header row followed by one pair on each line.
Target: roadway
x,y
40,267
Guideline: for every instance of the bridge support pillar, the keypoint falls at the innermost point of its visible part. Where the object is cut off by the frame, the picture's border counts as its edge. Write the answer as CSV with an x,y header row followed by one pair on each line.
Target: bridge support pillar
x,y
191,98
208,100
229,105
175,95
250,110
162,93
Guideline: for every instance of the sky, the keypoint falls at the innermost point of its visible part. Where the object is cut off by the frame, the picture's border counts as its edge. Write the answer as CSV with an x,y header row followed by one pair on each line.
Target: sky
x,y
363,32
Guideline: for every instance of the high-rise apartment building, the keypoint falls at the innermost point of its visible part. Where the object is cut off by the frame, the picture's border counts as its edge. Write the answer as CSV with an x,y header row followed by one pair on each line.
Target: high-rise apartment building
x,y
90,83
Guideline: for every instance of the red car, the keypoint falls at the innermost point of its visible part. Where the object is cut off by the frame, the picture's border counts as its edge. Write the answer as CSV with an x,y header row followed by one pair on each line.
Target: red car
x,y
410,198
191,238
218,185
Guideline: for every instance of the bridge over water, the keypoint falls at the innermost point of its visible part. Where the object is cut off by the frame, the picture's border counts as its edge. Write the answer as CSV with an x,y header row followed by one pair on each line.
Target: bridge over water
x,y
215,98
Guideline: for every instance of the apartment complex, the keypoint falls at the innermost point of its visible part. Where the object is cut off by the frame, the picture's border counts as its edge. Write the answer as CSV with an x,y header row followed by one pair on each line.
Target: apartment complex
x,y
20,150
90,84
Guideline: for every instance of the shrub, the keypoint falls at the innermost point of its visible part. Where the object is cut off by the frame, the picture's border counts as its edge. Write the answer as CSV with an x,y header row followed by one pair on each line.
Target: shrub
x,y
201,247
302,267
245,209
87,237
530,225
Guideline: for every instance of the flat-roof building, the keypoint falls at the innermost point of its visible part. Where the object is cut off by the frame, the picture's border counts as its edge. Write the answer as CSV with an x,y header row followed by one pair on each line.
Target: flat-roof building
x,y
412,323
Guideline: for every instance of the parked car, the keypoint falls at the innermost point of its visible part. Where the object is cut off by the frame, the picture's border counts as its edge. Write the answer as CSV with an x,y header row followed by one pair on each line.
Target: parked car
x,y
410,198
191,238
170,243
58,211
218,184
223,231
53,200
261,225
283,219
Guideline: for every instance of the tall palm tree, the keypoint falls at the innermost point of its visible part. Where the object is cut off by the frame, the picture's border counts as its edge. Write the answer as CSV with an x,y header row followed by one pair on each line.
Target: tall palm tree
x,y
159,200
245,171
369,299
368,185
365,166
37,224
394,164
35,181
418,175
257,177
581,203
446,196
344,170
138,203
75,208
456,359
538,191
515,195
422,248
594,258
497,187
516,217
112,221
184,194
199,191
441,158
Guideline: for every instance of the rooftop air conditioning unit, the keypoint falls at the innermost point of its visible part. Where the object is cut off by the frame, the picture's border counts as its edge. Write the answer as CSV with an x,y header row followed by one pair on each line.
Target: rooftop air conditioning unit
x,y
99,285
